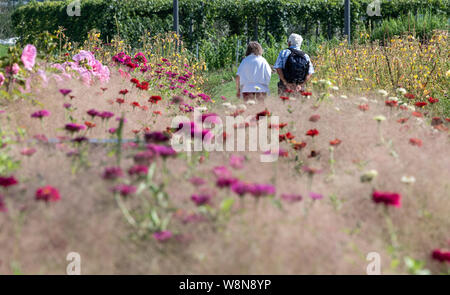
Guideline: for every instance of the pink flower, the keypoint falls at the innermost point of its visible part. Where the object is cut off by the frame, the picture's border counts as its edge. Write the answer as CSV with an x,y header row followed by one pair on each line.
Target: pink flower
x,y
197,181
28,152
40,114
112,173
8,181
441,256
15,69
140,170
387,198
315,196
73,127
2,79
162,236
237,162
221,171
47,194
201,199
29,57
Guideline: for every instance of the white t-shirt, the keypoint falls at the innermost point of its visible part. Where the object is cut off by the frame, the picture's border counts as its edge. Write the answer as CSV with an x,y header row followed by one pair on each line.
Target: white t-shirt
x,y
254,72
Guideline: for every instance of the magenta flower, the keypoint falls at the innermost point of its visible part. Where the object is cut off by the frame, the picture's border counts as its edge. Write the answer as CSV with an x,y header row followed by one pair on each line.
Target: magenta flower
x,y
47,194
139,170
237,162
29,57
106,115
28,152
2,79
65,91
73,127
156,137
163,236
291,198
80,139
441,256
124,190
259,190
315,196
387,198
201,199
221,171
93,113
144,158
112,173
197,181
162,150
40,114
112,130
240,188
225,181
67,105
8,181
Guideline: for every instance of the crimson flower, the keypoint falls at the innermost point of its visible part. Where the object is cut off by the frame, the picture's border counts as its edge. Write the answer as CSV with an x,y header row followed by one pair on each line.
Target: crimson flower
x,y
391,103
262,114
112,173
335,142
134,81
433,100
120,100
135,104
387,198
155,99
312,132
8,181
420,104
124,190
410,96
284,98
47,194
304,93
440,255
123,91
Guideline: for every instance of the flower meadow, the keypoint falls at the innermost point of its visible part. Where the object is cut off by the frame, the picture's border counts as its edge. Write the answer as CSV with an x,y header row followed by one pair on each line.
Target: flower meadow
x,y
86,165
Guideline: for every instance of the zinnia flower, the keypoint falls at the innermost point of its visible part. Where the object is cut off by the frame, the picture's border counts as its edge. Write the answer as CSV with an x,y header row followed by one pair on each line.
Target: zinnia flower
x,y
201,199
415,141
387,198
237,162
124,190
440,255
73,127
312,132
139,170
40,114
7,181
314,118
47,194
65,91
112,173
420,104
291,198
93,113
259,190
155,99
335,142
28,151
433,100
106,115
315,196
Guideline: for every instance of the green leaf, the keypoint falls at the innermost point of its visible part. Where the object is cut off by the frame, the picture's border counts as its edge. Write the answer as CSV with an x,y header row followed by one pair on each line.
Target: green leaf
x,y
226,205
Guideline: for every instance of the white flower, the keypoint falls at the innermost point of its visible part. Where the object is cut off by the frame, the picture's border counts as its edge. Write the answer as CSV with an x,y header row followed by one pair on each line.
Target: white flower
x,y
201,109
242,107
251,102
232,107
337,109
344,96
401,91
393,98
380,118
383,92
335,88
374,100
408,179
226,104
359,79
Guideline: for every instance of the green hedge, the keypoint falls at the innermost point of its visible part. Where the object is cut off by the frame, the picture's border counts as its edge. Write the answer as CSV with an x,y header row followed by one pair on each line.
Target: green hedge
x,y
202,19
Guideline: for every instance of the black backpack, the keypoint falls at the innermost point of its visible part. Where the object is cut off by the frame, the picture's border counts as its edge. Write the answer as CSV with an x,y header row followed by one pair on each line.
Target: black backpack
x,y
297,67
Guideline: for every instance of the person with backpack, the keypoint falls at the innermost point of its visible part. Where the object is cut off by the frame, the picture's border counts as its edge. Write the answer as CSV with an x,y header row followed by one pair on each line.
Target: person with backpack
x,y
253,75
293,66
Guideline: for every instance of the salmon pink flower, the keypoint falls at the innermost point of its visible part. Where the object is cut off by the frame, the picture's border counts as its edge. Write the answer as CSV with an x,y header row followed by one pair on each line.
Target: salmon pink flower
x,y
89,125
162,236
417,114
387,198
28,57
364,107
7,181
415,141
47,194
335,142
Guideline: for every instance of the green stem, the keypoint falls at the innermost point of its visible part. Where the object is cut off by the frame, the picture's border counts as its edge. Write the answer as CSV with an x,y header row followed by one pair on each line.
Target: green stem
x,y
125,211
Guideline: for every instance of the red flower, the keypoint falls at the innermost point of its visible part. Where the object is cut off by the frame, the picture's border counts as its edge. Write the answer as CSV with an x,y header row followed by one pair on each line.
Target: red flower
x,y
364,107
282,137
89,124
314,118
312,132
410,96
157,112
134,81
143,86
304,93
123,91
135,104
155,99
447,119
298,145
420,104
433,100
47,194
417,114
289,136
8,181
120,100
262,114
415,141
391,103
284,98
402,120
335,142
441,256
387,198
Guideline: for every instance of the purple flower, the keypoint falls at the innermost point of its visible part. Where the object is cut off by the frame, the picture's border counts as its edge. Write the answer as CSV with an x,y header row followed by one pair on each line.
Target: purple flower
x,y
291,198
40,114
93,113
65,91
221,171
144,158
315,196
112,173
140,170
161,150
106,115
124,189
112,130
240,188
156,137
201,199
67,105
80,139
163,236
225,181
73,127
259,190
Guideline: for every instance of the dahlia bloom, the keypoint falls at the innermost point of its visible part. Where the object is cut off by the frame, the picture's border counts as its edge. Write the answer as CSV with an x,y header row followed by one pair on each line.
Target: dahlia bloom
x,y
47,194
387,198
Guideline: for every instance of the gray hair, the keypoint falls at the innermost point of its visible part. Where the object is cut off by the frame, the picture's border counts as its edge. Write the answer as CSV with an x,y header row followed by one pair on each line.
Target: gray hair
x,y
295,40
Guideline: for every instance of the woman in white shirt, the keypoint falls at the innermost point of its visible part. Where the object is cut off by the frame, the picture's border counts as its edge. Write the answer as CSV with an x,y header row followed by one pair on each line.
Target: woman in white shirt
x,y
253,75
